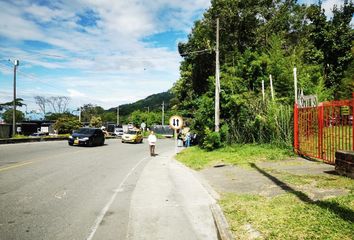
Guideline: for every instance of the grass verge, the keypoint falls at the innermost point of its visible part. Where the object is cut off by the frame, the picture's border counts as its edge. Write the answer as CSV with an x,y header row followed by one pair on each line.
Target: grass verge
x,y
242,155
287,217
291,215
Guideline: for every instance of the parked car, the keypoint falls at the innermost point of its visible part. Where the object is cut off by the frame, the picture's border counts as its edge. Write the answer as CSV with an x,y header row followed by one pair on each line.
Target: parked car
x,y
132,136
118,132
38,134
87,137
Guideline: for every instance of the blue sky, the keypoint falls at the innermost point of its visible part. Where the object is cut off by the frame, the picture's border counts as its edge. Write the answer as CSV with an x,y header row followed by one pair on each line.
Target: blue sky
x,y
107,52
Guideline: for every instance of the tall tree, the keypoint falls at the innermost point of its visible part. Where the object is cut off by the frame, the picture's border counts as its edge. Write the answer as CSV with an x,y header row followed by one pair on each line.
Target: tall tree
x,y
7,116
90,110
8,105
41,102
334,39
59,103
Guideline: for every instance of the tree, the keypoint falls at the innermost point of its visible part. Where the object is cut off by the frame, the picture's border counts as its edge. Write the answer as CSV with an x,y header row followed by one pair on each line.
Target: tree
x,y
66,125
109,116
56,116
59,103
41,102
90,110
7,116
8,105
137,117
259,38
334,40
96,122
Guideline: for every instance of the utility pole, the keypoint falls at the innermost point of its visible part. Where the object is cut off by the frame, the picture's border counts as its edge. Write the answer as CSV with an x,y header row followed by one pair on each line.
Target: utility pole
x,y
217,81
16,63
117,115
263,94
295,84
271,86
80,114
163,113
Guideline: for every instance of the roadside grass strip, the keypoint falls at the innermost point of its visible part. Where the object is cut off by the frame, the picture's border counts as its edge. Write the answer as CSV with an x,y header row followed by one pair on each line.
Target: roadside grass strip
x,y
294,214
288,217
241,155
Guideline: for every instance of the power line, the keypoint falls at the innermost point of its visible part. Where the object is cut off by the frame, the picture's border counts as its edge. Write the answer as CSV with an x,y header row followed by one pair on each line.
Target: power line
x,y
193,52
30,76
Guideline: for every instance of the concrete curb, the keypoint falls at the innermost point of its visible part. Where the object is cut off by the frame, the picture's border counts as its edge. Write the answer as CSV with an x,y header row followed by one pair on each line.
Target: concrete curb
x,y
36,139
221,224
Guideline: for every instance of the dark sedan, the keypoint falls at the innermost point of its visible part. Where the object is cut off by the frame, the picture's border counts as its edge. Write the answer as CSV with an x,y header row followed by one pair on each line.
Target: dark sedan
x,y
87,137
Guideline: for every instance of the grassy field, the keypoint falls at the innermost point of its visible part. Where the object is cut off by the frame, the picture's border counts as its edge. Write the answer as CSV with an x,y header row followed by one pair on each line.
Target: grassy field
x,y
291,215
242,155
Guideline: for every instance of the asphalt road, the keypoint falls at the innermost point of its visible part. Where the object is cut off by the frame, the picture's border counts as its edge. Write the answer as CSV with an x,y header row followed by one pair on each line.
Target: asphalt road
x,y
49,190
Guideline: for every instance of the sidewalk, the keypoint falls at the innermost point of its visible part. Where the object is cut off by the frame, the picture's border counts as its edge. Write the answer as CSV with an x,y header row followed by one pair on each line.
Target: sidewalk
x,y
170,203
234,179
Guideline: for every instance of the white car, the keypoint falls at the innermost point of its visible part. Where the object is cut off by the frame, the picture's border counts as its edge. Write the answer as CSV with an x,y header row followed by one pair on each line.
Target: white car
x,y
118,132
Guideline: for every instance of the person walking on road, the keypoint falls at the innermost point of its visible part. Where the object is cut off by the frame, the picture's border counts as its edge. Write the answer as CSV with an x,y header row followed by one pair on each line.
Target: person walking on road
x,y
152,142
188,139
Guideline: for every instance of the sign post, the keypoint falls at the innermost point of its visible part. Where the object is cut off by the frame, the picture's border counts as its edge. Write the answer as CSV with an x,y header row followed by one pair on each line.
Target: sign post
x,y
143,125
176,123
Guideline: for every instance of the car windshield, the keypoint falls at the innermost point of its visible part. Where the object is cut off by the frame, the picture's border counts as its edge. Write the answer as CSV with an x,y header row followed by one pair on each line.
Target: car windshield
x,y
131,132
85,131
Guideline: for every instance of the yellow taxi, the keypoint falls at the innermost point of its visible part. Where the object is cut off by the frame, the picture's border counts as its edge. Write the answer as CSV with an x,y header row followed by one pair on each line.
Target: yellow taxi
x,y
132,136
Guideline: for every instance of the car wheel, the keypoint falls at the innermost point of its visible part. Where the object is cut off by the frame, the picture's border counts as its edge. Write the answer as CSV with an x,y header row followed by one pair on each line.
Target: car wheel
x,y
90,143
122,141
70,144
141,141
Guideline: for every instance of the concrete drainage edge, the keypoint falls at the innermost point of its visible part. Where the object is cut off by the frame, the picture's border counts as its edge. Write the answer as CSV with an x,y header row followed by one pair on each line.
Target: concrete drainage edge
x,y
221,224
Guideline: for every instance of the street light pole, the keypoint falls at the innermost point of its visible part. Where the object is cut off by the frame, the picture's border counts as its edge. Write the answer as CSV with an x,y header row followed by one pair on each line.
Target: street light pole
x,y
16,63
163,113
117,116
217,81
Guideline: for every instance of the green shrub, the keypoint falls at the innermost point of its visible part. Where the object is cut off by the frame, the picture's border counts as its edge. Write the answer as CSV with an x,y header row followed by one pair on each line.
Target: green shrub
x,y
66,125
211,141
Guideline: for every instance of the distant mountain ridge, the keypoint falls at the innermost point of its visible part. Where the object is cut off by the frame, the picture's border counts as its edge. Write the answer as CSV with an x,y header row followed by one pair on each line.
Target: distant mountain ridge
x,y
152,102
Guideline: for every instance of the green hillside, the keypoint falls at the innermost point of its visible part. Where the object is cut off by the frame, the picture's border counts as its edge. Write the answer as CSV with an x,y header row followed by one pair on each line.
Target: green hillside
x,y
152,102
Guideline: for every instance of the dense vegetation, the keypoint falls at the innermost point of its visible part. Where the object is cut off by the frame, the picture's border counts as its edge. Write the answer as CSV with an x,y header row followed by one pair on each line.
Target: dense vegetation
x,y
153,102
259,39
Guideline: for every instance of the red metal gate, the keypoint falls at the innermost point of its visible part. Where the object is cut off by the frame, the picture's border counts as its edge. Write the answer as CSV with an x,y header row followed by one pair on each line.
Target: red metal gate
x,y
320,131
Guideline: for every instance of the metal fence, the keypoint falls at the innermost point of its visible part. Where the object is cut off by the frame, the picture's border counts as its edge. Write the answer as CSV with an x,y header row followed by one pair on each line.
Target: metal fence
x,y
5,130
322,130
162,129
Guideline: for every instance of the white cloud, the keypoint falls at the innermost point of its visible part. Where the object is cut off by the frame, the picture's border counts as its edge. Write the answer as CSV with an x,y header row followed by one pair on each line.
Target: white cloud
x,y
327,5
104,62
13,26
74,93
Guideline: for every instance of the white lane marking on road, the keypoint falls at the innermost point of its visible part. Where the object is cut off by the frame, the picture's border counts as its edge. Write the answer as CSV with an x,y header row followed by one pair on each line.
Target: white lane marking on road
x,y
109,203
60,195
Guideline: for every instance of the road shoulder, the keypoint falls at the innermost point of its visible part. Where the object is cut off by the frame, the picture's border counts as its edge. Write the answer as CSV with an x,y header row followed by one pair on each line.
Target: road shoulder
x,y
170,203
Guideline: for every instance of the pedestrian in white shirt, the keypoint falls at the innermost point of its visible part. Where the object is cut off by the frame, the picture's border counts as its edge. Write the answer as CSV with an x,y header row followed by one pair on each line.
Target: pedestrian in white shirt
x,y
152,142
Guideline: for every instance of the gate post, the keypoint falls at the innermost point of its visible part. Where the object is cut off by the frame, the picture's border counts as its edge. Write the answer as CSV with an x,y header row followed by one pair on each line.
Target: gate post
x,y
320,110
296,128
353,120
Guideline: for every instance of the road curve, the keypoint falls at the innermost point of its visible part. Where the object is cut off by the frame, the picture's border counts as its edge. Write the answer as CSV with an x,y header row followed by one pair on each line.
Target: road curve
x,y
49,190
